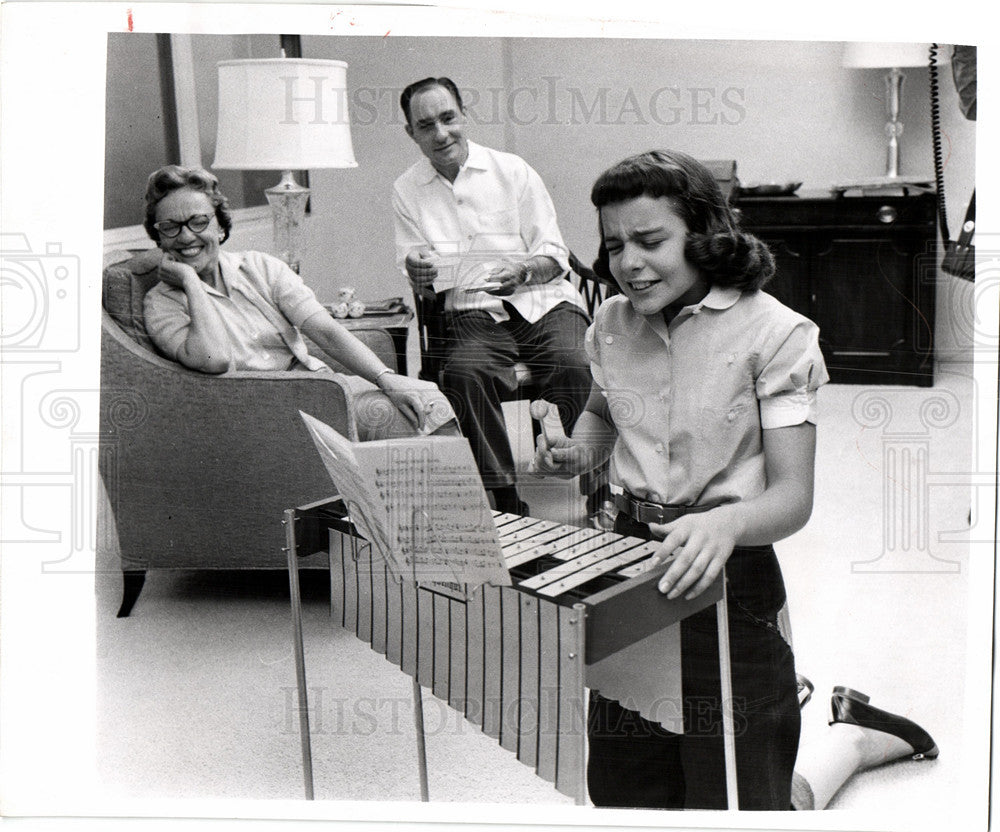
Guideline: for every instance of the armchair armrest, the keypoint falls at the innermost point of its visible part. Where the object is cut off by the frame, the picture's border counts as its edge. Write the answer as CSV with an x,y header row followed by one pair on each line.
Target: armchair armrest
x,y
199,468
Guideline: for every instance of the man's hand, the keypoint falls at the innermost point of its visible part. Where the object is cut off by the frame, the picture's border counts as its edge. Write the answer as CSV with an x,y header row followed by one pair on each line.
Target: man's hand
x,y
504,279
420,267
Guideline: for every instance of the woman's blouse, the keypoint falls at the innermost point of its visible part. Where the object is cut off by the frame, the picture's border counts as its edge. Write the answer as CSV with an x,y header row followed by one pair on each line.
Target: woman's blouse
x,y
262,305
689,399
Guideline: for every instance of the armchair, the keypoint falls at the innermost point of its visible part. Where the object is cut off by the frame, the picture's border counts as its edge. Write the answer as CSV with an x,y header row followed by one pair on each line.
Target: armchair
x,y
198,469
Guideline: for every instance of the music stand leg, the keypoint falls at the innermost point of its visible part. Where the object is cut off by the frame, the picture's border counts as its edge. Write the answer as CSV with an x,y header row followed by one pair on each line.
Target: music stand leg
x,y
726,676
300,663
418,721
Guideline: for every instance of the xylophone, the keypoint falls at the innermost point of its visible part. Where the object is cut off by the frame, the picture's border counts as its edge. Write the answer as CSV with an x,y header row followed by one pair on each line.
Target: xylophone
x,y
515,660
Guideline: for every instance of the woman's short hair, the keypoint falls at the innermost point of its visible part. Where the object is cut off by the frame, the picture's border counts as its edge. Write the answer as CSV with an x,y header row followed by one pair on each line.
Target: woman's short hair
x,y
726,254
172,178
426,84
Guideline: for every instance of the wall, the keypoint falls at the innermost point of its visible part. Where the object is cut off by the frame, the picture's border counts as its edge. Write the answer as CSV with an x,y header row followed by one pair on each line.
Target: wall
x,y
786,111
134,128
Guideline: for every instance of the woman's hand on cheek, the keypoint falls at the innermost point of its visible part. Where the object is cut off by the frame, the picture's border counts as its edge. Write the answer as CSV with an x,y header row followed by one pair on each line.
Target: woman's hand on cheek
x,y
701,544
173,273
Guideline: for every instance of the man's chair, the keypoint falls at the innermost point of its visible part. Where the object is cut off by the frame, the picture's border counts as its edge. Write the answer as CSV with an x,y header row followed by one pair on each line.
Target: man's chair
x,y
198,469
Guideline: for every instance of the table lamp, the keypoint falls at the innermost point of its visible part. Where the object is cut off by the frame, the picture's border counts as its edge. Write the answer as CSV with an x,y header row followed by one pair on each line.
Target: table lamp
x,y
889,56
284,114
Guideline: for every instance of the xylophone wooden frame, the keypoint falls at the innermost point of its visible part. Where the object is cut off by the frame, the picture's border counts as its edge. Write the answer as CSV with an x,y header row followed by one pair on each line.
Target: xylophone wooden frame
x,y
575,653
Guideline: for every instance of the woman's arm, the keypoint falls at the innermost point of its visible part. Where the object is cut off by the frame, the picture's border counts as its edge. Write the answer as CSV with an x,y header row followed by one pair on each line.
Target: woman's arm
x,y
591,444
703,542
336,340
205,346
340,343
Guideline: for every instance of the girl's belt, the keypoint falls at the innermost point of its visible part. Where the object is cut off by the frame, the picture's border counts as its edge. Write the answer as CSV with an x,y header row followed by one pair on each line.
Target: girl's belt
x,y
646,511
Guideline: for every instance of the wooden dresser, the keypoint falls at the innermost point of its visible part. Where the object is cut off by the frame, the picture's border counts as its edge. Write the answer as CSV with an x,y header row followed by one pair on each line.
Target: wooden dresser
x,y
863,268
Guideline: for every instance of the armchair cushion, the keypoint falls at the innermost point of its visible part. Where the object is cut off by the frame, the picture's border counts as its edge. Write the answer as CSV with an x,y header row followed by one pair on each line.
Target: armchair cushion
x,y
126,280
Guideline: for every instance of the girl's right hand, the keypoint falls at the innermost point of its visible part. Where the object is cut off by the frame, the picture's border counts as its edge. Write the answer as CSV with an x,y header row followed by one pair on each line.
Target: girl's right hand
x,y
563,457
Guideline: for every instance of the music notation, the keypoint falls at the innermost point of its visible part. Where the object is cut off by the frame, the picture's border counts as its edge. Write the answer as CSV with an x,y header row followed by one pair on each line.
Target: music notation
x,y
419,501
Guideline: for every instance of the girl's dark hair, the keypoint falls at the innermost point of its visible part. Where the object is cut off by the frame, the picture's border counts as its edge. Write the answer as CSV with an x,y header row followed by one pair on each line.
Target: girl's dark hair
x,y
727,255
172,178
426,84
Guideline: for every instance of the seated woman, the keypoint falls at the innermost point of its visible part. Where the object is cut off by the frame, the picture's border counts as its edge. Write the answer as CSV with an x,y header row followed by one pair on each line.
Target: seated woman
x,y
215,311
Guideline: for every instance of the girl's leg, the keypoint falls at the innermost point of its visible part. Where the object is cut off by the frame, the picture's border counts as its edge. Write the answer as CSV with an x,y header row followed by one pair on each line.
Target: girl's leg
x,y
765,713
632,763
841,752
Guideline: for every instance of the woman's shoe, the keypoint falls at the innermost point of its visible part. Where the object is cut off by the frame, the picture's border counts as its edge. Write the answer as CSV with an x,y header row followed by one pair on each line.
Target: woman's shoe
x,y
806,689
851,707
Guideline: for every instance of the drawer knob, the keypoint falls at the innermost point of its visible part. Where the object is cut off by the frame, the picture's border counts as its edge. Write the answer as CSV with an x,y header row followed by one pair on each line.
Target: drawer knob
x,y
886,214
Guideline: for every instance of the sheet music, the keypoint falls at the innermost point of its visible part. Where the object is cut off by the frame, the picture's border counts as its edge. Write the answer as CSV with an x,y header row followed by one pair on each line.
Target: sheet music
x,y
364,506
421,503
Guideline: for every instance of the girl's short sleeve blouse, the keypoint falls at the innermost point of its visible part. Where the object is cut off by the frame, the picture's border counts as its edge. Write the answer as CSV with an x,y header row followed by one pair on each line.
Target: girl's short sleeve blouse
x,y
690,400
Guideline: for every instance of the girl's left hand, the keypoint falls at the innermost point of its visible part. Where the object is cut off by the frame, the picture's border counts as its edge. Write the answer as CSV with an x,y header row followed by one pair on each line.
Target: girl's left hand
x,y
702,544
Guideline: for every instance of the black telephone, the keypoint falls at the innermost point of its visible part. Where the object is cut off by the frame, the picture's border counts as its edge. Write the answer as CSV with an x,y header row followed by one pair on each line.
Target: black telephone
x,y
959,255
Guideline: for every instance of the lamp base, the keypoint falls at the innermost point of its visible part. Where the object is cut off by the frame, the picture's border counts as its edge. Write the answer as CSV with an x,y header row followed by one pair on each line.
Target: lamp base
x,y
288,201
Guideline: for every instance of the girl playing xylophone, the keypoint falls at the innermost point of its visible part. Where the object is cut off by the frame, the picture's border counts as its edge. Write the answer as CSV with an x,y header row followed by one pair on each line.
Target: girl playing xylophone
x,y
704,397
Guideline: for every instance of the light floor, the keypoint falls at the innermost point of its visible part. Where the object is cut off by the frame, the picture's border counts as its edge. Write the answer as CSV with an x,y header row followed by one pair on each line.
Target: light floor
x,y
196,688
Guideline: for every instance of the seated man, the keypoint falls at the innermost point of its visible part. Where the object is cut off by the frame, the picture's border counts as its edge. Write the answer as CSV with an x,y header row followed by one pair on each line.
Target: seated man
x,y
479,225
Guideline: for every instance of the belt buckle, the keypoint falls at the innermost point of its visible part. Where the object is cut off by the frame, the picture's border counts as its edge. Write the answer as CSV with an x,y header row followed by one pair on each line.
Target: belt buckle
x,y
649,512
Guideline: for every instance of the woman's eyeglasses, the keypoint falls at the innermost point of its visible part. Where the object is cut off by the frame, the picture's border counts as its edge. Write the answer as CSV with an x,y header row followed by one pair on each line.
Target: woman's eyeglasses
x,y
196,223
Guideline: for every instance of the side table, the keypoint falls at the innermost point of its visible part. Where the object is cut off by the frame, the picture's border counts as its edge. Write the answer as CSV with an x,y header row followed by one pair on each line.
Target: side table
x,y
396,324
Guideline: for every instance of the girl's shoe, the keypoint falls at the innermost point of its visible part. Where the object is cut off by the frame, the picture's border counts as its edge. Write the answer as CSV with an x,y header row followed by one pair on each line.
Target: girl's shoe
x,y
851,707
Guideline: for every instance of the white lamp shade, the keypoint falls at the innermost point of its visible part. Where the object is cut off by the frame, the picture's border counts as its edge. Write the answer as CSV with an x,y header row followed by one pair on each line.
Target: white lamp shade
x,y
283,114
885,55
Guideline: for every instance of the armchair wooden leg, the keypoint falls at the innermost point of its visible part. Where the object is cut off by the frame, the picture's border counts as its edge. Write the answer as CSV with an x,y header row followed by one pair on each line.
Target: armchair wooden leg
x,y
132,581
